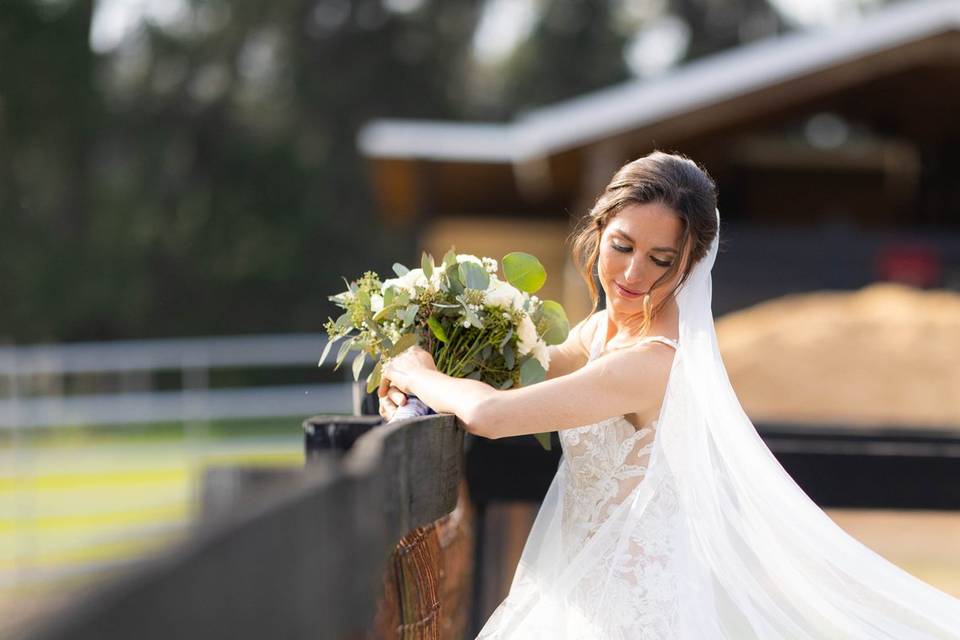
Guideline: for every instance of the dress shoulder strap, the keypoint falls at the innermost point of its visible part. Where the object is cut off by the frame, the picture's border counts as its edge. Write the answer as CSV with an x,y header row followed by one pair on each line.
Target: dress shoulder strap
x,y
664,339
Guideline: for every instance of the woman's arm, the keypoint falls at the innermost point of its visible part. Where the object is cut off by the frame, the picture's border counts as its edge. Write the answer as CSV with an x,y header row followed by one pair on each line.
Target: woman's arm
x,y
625,381
572,354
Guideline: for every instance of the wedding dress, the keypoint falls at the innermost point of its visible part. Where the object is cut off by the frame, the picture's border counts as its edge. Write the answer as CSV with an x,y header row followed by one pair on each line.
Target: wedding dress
x,y
688,528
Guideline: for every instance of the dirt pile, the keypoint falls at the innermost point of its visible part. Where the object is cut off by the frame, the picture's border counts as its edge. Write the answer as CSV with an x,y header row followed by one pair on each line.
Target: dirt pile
x,y
885,355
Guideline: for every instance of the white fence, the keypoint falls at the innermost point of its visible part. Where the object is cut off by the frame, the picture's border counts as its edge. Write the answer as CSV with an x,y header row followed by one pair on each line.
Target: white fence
x,y
136,361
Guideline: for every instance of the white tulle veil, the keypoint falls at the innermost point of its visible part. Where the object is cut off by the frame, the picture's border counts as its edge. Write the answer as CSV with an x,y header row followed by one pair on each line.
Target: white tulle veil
x,y
760,558
714,541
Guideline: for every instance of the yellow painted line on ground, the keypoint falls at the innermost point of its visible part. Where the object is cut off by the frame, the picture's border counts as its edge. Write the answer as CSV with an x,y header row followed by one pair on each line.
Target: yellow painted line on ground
x,y
102,479
91,552
112,519
68,502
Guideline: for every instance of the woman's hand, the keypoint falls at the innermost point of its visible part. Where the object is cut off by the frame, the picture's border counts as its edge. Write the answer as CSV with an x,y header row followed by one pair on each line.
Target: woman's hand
x,y
400,371
390,401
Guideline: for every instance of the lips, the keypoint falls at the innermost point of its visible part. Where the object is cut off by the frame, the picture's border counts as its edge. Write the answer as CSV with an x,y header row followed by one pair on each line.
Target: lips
x,y
627,292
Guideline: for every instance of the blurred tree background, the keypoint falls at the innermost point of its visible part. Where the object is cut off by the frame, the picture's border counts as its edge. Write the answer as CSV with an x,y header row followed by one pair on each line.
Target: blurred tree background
x,y
189,167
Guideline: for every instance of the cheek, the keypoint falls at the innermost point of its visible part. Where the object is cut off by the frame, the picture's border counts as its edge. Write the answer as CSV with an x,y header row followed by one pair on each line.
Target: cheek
x,y
608,260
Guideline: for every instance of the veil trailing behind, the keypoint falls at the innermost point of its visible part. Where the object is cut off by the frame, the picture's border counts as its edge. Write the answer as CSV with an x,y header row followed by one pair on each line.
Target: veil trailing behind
x,y
691,529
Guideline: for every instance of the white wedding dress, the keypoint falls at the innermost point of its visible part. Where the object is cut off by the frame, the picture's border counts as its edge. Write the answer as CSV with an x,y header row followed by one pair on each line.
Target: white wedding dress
x,y
602,466
690,529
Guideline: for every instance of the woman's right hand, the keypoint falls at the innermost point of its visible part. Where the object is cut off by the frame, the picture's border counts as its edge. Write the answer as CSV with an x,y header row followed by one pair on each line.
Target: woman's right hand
x,y
390,401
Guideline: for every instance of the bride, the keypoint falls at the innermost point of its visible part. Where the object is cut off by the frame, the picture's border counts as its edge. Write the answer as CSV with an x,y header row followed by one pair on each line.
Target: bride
x,y
668,517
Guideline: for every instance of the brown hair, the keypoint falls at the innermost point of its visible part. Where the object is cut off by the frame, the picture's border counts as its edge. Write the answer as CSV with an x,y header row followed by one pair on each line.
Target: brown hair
x,y
671,179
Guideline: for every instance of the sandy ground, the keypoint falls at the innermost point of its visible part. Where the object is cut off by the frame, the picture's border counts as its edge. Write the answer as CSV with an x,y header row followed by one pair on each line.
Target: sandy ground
x,y
884,355
924,543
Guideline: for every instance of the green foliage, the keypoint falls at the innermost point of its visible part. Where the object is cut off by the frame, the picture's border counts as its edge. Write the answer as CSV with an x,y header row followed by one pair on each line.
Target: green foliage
x,y
523,271
204,180
553,324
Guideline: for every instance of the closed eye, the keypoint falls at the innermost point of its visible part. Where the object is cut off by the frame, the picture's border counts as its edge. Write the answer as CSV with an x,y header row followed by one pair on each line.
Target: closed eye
x,y
622,249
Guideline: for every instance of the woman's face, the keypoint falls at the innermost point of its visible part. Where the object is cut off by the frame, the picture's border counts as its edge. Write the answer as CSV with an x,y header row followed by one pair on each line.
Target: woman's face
x,y
636,247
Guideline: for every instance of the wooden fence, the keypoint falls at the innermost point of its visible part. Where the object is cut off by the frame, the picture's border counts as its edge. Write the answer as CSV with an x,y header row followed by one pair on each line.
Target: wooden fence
x,y
384,533
309,553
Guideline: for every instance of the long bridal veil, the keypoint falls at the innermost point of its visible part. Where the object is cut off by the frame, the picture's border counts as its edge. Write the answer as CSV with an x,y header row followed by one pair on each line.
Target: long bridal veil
x,y
713,539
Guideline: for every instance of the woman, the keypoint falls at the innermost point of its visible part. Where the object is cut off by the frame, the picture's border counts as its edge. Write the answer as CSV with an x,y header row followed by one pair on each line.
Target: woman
x,y
668,517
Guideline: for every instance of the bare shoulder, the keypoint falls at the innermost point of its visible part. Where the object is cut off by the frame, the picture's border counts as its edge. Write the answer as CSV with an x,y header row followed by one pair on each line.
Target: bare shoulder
x,y
642,371
574,352
587,332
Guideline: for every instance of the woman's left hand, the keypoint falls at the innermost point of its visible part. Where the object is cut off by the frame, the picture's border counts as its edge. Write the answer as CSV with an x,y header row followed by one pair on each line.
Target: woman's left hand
x,y
400,371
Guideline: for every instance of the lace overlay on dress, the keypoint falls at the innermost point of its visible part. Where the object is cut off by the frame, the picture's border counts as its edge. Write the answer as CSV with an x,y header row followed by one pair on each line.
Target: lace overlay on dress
x,y
603,465
599,561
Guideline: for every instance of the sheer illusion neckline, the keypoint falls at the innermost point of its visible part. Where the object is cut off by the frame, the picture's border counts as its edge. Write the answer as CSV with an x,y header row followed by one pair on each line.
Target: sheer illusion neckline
x,y
598,339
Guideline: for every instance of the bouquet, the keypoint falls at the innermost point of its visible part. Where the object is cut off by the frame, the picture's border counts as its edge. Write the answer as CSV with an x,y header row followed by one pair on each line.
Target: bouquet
x,y
473,323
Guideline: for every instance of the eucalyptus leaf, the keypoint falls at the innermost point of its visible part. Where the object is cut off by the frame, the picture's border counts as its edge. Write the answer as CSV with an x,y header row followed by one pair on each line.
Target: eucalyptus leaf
x,y
344,348
406,341
531,372
373,380
554,318
506,384
410,314
486,352
524,271
450,258
456,284
506,338
473,275
437,329
476,375
426,263
508,359
389,296
470,366
358,361
386,311
326,350
400,270
344,322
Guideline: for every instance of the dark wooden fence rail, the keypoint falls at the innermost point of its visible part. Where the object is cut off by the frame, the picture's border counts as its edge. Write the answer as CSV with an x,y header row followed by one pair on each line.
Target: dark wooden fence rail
x,y
286,553
352,547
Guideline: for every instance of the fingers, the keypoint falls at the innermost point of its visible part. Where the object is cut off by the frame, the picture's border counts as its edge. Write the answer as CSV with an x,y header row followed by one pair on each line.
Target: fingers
x,y
389,402
387,408
398,397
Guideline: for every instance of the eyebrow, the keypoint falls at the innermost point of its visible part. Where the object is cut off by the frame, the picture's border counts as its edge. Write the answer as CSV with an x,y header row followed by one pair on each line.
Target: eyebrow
x,y
670,249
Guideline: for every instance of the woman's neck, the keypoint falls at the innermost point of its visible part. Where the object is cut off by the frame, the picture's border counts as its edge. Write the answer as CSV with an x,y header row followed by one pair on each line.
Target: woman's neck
x,y
627,329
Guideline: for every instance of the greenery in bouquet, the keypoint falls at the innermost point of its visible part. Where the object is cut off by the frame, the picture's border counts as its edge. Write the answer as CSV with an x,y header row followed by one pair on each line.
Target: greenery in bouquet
x,y
473,323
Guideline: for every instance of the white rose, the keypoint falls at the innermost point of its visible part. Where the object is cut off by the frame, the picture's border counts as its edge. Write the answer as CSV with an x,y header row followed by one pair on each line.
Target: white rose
x,y
466,257
411,279
526,336
504,294
542,354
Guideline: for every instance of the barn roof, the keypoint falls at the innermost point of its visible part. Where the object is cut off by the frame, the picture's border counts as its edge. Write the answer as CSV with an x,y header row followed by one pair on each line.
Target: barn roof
x,y
643,102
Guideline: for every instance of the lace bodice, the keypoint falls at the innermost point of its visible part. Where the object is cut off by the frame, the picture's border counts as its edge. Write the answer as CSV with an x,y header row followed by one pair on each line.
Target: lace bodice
x,y
604,461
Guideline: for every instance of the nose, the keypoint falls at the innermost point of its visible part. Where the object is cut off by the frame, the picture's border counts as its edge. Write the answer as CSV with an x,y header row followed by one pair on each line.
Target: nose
x,y
634,273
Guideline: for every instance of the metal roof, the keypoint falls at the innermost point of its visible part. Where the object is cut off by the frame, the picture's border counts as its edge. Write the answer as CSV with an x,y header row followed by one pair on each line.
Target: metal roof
x,y
635,103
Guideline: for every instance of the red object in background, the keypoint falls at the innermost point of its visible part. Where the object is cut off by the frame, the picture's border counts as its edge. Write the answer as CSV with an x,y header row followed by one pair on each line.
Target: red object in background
x,y
914,264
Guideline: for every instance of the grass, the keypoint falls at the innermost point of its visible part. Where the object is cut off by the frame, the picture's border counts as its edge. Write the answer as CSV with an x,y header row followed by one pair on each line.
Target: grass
x,y
78,502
